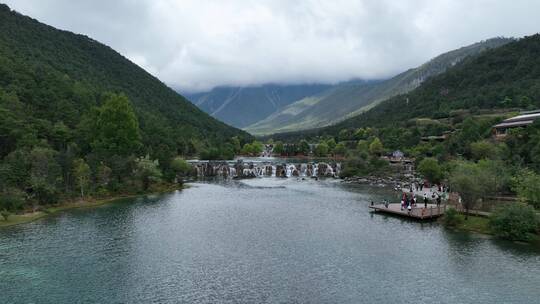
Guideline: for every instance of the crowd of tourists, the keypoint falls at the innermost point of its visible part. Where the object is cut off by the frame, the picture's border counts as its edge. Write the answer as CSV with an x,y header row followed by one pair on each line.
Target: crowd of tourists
x,y
430,194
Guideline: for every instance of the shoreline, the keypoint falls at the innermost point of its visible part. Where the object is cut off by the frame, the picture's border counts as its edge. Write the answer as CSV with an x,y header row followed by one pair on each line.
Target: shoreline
x,y
28,217
478,224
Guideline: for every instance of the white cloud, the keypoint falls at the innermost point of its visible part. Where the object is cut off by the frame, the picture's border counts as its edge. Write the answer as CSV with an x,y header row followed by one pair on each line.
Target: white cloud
x,y
198,44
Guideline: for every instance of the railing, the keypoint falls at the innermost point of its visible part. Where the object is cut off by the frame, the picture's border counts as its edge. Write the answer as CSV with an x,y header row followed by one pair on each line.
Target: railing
x,y
428,212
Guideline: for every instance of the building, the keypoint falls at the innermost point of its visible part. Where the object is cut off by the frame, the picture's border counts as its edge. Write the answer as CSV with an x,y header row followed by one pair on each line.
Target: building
x,y
398,154
520,121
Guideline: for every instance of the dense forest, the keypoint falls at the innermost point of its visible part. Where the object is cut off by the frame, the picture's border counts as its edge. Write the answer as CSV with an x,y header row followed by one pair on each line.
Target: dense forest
x,y
76,117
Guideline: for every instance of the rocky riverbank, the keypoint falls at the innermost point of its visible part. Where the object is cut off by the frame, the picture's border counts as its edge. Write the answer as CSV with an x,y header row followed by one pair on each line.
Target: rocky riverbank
x,y
399,182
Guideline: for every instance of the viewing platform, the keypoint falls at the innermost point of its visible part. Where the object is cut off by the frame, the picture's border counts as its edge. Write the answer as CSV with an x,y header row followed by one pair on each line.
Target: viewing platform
x,y
419,212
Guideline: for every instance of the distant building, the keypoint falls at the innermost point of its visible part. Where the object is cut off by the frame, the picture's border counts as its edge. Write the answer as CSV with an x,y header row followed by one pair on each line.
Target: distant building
x,y
520,121
445,135
398,154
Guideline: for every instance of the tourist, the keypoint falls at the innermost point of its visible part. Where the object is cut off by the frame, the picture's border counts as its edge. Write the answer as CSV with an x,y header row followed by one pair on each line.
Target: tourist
x,y
438,200
402,204
425,200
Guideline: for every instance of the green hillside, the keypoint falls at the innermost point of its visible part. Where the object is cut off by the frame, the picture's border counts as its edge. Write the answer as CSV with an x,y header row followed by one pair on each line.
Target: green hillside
x,y
59,75
352,98
501,78
243,106
66,97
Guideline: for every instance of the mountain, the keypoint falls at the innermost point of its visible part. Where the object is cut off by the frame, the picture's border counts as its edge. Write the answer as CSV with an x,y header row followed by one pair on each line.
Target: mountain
x,y
499,79
56,77
350,99
243,106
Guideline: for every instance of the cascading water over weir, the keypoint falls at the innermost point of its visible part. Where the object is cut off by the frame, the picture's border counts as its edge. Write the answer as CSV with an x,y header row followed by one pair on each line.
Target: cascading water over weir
x,y
251,169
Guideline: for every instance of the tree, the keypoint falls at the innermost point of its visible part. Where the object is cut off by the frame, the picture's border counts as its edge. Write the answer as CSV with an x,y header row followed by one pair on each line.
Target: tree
x,y
221,153
464,180
147,170
321,150
45,174
363,146
514,221
430,169
257,147
483,150
81,171
181,167
494,176
247,149
527,187
340,149
15,170
10,201
354,166
278,148
376,147
331,144
116,128
304,147
103,176
235,142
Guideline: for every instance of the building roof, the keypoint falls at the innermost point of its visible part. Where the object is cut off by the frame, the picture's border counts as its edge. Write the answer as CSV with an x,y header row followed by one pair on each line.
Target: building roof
x,y
514,124
524,117
522,120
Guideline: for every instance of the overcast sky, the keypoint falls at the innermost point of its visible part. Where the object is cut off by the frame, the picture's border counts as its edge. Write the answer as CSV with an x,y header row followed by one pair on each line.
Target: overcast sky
x,y
194,45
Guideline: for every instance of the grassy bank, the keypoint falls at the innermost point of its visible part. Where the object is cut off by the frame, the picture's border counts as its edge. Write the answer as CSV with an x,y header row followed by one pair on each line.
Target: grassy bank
x,y
89,202
480,224
475,224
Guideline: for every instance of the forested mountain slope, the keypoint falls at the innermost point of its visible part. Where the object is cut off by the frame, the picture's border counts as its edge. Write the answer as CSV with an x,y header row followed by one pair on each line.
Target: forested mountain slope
x,y
505,77
243,106
349,99
58,76
79,119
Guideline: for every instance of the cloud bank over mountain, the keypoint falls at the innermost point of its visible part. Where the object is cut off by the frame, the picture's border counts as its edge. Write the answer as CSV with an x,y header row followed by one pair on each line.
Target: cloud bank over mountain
x,y
195,45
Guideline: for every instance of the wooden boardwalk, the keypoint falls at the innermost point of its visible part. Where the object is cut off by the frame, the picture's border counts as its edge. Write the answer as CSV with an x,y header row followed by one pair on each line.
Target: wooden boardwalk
x,y
418,212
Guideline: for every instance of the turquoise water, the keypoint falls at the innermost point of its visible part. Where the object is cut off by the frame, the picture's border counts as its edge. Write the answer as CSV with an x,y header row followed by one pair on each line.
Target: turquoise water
x,y
258,241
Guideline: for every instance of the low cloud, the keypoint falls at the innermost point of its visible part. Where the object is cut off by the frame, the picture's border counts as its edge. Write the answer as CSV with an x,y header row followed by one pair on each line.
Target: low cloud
x,y
195,45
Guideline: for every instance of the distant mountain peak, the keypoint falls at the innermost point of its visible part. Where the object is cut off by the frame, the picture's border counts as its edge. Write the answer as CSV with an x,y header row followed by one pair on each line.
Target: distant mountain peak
x,y
346,100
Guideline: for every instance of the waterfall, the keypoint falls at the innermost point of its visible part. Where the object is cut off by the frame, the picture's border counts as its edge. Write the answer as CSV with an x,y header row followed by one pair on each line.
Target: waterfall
x,y
303,170
259,169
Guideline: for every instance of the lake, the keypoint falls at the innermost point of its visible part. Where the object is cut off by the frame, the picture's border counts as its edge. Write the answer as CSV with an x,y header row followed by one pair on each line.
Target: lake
x,y
263,240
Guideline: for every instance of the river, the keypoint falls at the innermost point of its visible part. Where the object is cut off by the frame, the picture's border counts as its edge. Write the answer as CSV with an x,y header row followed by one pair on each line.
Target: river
x,y
263,240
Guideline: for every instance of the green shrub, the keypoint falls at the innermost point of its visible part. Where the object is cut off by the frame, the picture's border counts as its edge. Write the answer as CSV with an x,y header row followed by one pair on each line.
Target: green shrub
x,y
354,166
452,218
527,186
10,201
223,153
514,222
